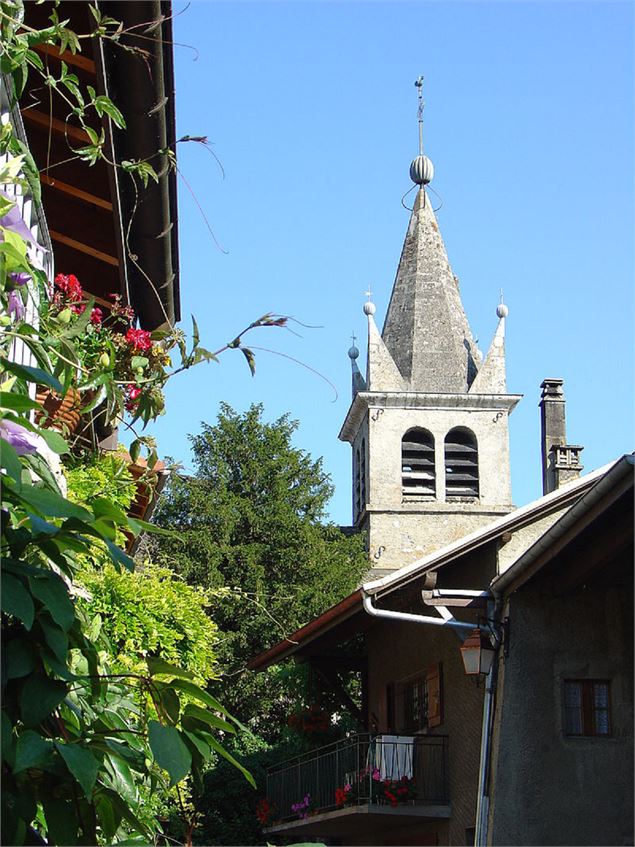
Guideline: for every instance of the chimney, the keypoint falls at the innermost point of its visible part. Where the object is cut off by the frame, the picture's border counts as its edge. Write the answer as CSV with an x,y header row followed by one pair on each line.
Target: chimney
x,y
560,461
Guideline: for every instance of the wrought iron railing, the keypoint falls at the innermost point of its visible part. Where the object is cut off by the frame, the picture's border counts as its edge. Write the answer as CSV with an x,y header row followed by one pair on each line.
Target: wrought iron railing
x,y
388,770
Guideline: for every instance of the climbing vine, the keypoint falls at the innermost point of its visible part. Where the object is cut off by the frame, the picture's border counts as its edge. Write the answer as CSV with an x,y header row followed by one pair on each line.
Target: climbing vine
x,y
87,733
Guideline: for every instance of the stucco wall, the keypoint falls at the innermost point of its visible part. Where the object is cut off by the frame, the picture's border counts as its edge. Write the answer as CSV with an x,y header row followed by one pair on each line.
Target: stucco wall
x,y
549,789
398,650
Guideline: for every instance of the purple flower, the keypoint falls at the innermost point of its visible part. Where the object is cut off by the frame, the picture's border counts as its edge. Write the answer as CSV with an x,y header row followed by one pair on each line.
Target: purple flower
x,y
13,221
21,439
15,306
19,278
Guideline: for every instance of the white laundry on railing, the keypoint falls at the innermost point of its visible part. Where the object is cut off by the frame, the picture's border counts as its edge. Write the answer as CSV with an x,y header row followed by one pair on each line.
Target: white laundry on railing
x,y
393,756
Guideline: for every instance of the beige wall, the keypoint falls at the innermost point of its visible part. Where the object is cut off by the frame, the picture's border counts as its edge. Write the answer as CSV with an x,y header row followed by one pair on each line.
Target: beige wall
x,y
408,531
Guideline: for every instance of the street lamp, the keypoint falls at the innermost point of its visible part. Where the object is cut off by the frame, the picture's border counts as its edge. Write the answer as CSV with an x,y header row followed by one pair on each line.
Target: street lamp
x,y
477,653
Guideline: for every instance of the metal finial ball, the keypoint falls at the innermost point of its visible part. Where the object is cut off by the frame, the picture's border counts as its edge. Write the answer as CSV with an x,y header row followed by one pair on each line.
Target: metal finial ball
x,y
421,170
369,308
353,353
502,311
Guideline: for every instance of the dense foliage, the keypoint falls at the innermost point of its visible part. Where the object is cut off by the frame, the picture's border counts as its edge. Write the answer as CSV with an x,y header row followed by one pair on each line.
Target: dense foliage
x,y
251,519
85,740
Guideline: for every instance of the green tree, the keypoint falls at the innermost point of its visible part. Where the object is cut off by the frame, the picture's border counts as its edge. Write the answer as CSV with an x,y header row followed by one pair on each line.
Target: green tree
x,y
252,519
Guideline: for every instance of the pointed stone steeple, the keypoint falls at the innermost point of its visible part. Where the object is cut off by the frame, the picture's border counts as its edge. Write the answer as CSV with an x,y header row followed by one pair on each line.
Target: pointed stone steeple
x,y
426,330
491,378
381,372
429,430
358,381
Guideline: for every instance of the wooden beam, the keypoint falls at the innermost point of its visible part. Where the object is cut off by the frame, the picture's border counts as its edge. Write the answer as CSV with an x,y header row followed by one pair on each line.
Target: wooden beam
x,y
74,59
84,248
47,122
73,191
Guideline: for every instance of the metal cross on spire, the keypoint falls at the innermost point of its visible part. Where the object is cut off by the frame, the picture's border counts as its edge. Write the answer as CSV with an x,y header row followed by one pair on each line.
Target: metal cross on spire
x,y
419,86
353,338
369,293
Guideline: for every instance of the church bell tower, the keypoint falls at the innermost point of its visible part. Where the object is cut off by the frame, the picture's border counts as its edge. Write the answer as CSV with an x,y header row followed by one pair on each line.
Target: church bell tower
x,y
428,423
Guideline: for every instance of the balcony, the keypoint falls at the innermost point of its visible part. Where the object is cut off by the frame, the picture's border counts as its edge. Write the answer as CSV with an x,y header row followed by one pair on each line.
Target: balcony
x,y
365,781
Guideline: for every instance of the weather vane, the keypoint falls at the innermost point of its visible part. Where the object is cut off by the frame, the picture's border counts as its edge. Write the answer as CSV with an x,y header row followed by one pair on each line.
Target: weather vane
x,y
419,85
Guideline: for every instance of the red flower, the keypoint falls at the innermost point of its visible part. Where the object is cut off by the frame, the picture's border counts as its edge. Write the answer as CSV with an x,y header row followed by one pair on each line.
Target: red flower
x,y
132,397
69,285
340,797
96,316
263,810
139,339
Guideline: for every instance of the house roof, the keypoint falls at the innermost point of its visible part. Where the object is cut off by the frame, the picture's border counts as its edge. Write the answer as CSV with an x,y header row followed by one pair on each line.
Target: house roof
x,y
113,240
615,482
353,604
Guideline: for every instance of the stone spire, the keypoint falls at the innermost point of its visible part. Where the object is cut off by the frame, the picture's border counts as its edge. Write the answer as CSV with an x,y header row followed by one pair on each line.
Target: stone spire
x,y
426,330
491,377
381,372
359,383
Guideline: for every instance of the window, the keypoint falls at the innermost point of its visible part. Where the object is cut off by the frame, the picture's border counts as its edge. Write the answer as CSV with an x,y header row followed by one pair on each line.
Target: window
x,y
416,703
461,464
359,478
418,478
586,707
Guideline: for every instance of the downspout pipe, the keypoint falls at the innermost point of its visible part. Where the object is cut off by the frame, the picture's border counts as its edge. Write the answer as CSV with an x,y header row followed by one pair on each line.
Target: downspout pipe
x,y
482,800
407,617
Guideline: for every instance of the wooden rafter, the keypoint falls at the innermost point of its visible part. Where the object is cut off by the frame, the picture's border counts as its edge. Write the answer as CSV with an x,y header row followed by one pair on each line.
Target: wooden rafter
x,y
66,130
73,191
84,248
74,59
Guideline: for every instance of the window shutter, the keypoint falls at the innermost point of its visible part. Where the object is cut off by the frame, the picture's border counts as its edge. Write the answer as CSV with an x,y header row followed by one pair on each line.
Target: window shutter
x,y
435,695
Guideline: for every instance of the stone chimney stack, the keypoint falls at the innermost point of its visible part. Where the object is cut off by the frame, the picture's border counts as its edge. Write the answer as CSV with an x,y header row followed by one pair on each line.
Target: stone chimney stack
x,y
560,461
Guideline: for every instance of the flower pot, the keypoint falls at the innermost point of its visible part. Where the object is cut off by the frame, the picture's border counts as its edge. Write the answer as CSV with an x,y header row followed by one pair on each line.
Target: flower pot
x,y
59,412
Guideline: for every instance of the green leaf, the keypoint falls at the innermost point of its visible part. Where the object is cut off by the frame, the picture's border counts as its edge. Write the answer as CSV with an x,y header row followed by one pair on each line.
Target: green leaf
x,y
138,362
169,751
105,105
109,822
16,600
81,763
192,711
55,637
137,526
32,751
20,657
61,821
215,745
52,505
17,402
159,666
40,695
10,461
52,592
118,555
31,374
169,700
122,777
7,739
55,441
199,694
135,450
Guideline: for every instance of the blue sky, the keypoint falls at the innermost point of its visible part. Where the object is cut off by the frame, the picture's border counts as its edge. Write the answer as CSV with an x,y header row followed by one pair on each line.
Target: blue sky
x,y
311,109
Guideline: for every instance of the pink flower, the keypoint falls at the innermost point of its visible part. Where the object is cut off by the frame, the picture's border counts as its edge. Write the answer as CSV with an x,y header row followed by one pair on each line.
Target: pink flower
x,y
96,316
139,339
